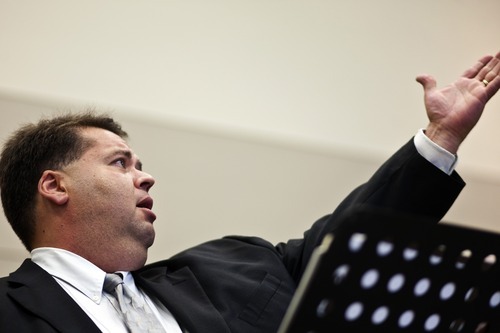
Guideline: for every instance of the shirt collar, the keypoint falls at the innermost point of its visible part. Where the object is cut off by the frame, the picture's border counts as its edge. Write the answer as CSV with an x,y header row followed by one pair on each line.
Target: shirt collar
x,y
73,270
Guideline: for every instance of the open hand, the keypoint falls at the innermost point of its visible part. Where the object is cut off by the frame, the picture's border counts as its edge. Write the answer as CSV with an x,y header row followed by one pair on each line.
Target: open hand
x,y
455,109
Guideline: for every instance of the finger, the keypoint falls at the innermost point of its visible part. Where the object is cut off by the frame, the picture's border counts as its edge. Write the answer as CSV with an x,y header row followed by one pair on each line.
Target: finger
x,y
490,76
492,66
427,81
492,86
492,70
478,66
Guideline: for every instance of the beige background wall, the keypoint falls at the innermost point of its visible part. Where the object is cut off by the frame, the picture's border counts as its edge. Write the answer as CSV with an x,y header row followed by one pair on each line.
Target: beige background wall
x,y
256,117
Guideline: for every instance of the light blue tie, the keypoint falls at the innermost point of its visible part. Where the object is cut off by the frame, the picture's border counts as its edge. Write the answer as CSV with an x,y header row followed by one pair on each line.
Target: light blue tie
x,y
136,313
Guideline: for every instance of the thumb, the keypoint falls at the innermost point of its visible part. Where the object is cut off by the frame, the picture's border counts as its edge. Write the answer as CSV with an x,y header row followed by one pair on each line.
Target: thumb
x,y
427,81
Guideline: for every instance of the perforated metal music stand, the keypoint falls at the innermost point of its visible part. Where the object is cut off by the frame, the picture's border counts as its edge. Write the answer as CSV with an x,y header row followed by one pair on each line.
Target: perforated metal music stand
x,y
383,272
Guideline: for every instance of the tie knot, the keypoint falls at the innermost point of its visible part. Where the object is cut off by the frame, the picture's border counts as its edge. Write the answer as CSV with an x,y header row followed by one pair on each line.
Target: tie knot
x,y
111,281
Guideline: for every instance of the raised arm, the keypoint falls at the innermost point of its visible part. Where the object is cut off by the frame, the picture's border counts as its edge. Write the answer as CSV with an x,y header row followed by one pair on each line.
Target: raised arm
x,y
455,109
408,182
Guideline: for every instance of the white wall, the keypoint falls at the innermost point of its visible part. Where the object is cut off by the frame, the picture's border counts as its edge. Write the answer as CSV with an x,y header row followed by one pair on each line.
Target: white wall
x,y
255,103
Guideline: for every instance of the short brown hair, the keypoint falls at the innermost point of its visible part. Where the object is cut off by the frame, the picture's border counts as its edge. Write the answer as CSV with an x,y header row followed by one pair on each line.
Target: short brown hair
x,y
52,143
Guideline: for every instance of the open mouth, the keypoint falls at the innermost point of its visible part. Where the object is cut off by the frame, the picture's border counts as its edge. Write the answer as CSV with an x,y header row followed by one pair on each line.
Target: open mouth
x,y
147,202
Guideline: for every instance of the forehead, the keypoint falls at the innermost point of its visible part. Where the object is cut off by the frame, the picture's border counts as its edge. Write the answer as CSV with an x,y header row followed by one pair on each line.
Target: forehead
x,y
103,140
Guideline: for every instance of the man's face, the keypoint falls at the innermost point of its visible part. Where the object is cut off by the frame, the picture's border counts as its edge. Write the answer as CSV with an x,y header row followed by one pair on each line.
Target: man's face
x,y
109,204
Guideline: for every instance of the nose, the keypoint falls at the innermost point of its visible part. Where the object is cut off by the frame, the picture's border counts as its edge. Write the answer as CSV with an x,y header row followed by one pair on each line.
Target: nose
x,y
144,180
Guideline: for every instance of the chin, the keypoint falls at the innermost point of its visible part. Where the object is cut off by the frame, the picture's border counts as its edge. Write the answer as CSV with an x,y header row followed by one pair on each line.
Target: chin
x,y
149,240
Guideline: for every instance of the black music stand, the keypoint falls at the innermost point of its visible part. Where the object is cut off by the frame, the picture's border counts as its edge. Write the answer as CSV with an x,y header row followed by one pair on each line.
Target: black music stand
x,y
384,272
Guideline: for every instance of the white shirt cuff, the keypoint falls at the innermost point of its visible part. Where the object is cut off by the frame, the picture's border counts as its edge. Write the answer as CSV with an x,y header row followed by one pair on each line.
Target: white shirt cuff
x,y
432,152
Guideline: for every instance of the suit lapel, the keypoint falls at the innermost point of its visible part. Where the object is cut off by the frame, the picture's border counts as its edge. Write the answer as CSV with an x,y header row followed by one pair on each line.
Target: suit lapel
x,y
182,294
38,292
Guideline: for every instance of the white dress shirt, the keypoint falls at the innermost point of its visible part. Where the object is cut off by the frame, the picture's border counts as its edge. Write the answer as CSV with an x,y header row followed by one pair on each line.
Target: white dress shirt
x,y
84,281
441,158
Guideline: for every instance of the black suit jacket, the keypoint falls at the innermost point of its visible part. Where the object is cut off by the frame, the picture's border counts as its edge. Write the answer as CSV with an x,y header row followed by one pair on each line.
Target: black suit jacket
x,y
234,284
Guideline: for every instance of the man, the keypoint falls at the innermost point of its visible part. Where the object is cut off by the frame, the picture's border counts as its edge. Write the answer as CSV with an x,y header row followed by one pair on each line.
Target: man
x,y
76,195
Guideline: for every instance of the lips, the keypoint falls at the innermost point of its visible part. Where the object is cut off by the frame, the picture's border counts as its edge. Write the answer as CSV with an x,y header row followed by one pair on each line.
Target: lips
x,y
147,202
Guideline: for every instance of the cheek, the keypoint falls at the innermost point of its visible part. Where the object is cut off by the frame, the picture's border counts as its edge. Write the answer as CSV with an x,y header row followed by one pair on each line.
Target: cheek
x,y
106,195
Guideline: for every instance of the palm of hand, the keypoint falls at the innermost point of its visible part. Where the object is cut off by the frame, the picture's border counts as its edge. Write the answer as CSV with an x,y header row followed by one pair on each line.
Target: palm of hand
x,y
456,108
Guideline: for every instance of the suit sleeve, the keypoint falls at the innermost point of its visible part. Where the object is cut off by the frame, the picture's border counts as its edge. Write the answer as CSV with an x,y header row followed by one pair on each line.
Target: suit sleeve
x,y
406,183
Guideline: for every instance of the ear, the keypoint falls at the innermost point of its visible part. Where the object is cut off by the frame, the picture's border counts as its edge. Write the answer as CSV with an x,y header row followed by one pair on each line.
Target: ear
x,y
51,188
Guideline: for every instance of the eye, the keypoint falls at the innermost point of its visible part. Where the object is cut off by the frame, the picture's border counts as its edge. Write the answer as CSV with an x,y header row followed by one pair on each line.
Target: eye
x,y
120,162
